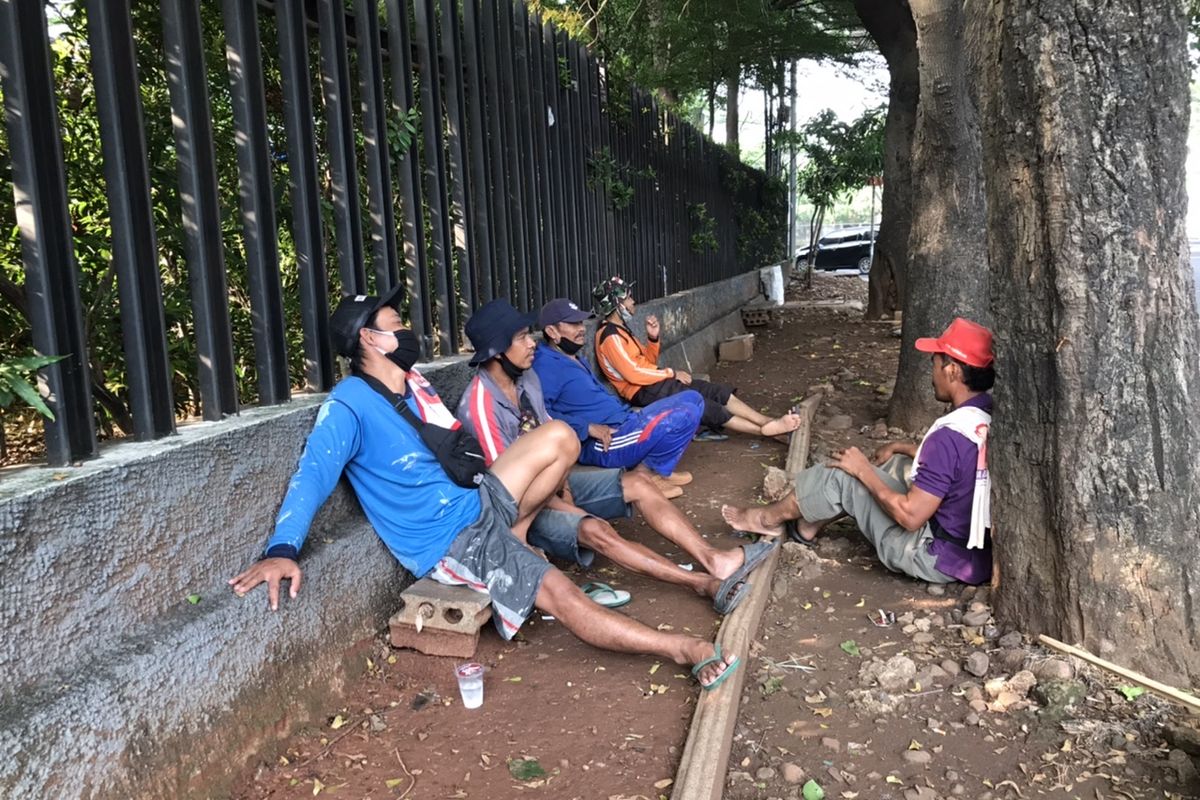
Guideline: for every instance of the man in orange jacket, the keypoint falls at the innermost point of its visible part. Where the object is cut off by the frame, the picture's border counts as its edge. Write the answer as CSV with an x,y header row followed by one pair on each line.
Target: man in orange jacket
x,y
632,369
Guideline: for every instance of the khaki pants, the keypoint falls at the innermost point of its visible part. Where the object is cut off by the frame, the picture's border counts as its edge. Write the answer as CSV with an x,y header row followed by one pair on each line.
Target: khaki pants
x,y
826,493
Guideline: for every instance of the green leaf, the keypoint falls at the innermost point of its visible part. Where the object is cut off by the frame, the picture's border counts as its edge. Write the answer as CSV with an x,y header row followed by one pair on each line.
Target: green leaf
x,y
29,395
813,791
851,647
525,769
194,599
1132,692
771,685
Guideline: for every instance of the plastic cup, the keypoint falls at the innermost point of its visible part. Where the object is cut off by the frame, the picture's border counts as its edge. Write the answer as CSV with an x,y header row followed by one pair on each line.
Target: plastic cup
x,y
470,684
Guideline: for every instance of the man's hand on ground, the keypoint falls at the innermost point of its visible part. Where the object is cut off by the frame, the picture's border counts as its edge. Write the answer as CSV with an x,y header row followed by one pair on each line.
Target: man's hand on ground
x,y
683,377
652,327
272,571
601,433
850,461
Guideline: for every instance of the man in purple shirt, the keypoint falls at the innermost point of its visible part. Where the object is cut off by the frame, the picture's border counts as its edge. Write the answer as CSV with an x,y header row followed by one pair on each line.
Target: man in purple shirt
x,y
931,524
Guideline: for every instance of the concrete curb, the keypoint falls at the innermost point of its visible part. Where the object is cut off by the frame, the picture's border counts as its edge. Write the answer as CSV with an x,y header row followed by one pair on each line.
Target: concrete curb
x,y
705,758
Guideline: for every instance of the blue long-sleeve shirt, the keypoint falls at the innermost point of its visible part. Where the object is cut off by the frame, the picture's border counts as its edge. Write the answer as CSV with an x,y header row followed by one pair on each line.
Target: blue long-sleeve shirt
x,y
409,500
573,394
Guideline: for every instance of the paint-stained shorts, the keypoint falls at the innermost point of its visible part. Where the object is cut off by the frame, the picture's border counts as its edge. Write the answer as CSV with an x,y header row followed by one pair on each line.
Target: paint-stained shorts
x,y
486,557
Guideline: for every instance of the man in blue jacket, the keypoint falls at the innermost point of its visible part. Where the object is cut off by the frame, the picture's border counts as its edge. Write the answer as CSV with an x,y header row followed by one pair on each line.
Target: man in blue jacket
x,y
430,523
612,434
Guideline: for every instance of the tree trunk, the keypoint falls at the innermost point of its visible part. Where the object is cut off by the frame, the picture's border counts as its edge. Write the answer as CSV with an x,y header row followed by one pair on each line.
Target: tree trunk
x,y
947,272
732,126
1094,461
890,25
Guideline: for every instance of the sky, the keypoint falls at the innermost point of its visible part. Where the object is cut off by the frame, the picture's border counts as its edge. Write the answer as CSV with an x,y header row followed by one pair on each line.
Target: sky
x,y
848,91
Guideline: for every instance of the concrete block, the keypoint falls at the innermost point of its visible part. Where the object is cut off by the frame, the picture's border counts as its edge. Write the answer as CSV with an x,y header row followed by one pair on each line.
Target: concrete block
x,y
451,617
739,348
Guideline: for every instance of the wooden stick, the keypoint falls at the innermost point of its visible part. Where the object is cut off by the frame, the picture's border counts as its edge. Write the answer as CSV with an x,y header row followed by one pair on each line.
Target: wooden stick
x,y
705,759
1185,699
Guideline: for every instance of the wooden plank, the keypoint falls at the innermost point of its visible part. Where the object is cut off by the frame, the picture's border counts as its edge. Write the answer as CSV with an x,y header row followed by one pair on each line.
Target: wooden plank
x,y
1189,701
702,767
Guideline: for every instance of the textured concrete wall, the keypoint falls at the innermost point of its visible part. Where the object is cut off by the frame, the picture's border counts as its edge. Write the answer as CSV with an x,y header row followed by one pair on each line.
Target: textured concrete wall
x,y
111,683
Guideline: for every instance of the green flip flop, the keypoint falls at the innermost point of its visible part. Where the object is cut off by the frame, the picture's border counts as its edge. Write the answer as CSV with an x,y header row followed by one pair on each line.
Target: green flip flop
x,y
715,659
605,595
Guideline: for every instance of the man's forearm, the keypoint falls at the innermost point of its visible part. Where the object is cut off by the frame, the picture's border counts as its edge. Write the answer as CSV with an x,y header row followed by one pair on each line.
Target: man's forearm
x,y
893,502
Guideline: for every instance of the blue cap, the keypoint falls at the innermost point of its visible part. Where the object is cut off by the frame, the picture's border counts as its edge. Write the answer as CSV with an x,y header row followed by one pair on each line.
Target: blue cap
x,y
562,310
492,327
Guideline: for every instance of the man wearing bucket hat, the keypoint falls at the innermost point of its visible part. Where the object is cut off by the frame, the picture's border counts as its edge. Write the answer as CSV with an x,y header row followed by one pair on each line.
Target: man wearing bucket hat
x,y
651,439
375,427
504,401
932,523
632,368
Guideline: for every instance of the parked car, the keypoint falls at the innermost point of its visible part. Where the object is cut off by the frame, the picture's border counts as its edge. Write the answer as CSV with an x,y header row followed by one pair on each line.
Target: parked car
x,y
848,248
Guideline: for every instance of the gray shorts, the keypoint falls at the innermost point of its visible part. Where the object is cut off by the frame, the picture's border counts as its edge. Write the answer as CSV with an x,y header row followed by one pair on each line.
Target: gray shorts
x,y
598,492
486,557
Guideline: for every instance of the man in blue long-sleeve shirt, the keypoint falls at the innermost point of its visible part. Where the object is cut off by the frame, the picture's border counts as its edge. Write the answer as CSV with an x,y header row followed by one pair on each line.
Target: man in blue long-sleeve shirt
x,y
431,524
612,434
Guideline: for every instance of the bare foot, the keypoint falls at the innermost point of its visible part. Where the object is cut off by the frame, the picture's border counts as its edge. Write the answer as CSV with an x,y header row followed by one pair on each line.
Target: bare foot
x,y
785,424
750,520
711,672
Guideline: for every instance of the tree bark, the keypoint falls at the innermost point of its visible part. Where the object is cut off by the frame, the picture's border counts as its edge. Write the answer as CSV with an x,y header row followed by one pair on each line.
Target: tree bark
x,y
890,25
1096,479
732,126
947,273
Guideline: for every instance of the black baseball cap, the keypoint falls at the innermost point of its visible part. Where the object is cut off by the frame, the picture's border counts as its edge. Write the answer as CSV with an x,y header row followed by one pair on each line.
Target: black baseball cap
x,y
352,315
562,310
492,327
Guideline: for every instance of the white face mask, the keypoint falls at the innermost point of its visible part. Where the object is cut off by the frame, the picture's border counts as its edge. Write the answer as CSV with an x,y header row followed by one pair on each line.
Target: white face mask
x,y
625,313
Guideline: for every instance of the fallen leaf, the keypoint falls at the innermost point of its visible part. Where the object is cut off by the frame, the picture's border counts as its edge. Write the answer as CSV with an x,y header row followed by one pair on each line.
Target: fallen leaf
x,y
862,601
813,791
525,769
851,647
823,712
392,783
513,679
317,786
806,606
337,722
894,779
1132,692
664,783
193,598
914,745
654,668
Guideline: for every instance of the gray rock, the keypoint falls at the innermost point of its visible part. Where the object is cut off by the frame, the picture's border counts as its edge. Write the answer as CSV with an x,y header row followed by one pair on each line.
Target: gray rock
x,y
840,422
1057,698
1010,659
917,756
1011,639
792,773
950,666
1185,770
923,638
1183,738
830,743
936,589
892,675
975,619
977,664
971,719
1054,669
765,773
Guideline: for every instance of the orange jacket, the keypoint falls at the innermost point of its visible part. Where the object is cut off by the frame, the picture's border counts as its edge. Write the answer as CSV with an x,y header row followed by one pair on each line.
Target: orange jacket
x,y
625,362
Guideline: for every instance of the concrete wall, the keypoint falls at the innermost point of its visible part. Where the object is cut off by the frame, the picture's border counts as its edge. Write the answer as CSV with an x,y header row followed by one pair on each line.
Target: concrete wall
x,y
111,683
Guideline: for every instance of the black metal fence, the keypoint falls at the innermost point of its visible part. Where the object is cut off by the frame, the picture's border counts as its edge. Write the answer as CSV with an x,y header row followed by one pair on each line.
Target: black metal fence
x,y
530,176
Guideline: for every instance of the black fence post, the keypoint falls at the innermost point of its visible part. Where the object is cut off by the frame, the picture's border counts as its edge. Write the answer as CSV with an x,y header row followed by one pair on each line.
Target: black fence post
x,y
306,198
53,305
192,115
435,176
135,251
343,164
242,54
482,219
456,139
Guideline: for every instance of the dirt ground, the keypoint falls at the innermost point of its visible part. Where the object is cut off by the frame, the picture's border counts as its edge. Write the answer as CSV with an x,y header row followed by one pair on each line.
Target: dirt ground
x,y
612,727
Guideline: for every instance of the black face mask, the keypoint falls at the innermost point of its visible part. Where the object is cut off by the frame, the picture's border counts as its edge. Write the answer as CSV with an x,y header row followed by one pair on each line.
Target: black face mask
x,y
408,349
569,347
510,369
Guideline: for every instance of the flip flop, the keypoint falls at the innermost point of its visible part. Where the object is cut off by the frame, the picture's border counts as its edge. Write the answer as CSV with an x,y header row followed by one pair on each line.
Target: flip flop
x,y
605,595
717,658
730,594
792,528
709,436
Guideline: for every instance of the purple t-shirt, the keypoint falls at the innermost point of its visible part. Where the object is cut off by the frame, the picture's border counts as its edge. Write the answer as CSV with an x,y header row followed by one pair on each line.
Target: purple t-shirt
x,y
948,471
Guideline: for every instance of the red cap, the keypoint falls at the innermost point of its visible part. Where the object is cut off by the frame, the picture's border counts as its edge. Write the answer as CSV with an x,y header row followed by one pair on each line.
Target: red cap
x,y
965,341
